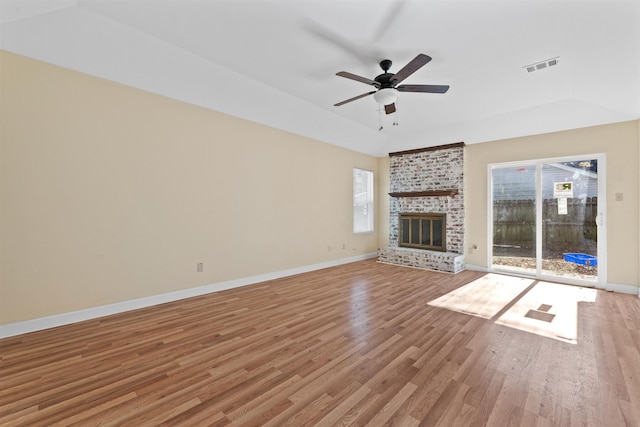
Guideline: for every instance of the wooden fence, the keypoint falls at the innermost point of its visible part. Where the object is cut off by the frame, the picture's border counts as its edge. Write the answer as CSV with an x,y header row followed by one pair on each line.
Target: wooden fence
x,y
514,223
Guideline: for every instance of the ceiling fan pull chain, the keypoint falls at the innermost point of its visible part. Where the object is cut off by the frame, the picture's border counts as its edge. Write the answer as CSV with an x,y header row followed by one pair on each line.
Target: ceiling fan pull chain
x,y
395,117
380,118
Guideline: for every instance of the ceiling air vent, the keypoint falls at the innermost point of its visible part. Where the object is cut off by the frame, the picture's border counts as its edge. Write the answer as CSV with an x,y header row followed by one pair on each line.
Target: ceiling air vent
x,y
552,62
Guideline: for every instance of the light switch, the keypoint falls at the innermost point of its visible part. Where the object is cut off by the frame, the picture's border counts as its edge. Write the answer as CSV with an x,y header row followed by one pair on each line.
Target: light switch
x,y
619,197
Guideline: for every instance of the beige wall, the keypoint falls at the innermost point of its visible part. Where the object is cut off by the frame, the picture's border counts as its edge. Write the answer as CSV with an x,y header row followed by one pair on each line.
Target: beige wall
x,y
110,194
620,142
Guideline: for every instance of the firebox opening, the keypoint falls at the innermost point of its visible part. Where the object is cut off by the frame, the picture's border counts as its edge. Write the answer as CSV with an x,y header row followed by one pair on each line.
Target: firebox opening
x,y
423,231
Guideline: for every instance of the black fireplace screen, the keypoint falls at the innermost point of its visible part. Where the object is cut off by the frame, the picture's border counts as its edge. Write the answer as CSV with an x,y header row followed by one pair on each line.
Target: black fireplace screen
x,y
423,231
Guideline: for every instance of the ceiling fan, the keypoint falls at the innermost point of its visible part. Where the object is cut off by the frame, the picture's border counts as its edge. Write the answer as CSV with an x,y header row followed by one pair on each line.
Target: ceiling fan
x,y
387,83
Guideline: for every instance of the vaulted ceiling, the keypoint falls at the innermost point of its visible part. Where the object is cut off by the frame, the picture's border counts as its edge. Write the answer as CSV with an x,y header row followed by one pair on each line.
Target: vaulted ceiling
x,y
274,61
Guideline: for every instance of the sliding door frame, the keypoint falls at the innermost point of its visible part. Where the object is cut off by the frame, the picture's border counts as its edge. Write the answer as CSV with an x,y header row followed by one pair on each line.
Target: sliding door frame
x,y
601,219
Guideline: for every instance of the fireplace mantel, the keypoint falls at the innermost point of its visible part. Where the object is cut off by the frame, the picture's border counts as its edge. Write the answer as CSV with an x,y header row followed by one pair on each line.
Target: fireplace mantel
x,y
431,193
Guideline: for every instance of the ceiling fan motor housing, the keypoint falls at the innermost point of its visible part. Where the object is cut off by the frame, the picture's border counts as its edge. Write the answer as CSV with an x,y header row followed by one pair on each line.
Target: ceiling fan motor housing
x,y
385,80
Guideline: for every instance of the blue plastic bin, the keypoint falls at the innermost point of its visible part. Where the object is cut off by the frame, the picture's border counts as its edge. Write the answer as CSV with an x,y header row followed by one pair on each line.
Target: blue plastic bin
x,y
582,259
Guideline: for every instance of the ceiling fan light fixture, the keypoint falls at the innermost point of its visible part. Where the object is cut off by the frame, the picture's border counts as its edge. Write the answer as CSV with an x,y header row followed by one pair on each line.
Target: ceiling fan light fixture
x,y
386,96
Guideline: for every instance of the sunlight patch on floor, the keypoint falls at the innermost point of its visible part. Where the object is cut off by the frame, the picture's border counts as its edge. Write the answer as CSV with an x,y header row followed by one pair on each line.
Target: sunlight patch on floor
x,y
542,308
484,297
550,310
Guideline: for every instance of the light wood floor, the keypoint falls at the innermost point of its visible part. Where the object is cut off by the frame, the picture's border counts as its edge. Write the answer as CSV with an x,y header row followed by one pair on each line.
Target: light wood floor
x,y
359,344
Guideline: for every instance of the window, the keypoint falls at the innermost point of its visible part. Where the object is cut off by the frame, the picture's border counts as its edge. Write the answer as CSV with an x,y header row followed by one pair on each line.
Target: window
x,y
362,201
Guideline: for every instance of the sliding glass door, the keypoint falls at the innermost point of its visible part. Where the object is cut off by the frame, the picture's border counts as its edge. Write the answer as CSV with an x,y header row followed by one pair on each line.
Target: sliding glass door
x,y
547,219
514,218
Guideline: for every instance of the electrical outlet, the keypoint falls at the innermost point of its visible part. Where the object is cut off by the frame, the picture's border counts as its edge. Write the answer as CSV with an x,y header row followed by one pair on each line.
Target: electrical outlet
x,y
200,267
619,197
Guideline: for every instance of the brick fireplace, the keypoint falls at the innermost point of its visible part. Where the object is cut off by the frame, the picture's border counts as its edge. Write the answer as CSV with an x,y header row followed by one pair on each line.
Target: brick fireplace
x,y
426,183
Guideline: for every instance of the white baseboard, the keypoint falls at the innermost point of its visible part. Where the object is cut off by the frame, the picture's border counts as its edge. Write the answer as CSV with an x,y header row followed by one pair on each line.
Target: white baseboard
x,y
41,323
476,268
625,289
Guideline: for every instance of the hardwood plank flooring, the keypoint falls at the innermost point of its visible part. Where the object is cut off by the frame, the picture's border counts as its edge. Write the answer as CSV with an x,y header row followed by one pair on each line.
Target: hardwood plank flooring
x,y
359,344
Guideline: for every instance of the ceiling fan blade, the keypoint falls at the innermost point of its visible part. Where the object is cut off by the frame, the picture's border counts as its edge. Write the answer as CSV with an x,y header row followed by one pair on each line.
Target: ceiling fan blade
x,y
389,19
391,108
348,75
414,65
361,52
423,88
354,98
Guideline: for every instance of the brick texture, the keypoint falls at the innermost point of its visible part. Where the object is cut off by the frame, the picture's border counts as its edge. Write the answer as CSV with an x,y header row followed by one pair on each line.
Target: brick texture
x,y
428,171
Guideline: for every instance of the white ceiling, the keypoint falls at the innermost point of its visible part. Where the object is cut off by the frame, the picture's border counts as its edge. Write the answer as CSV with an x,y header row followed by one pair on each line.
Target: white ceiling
x,y
274,61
